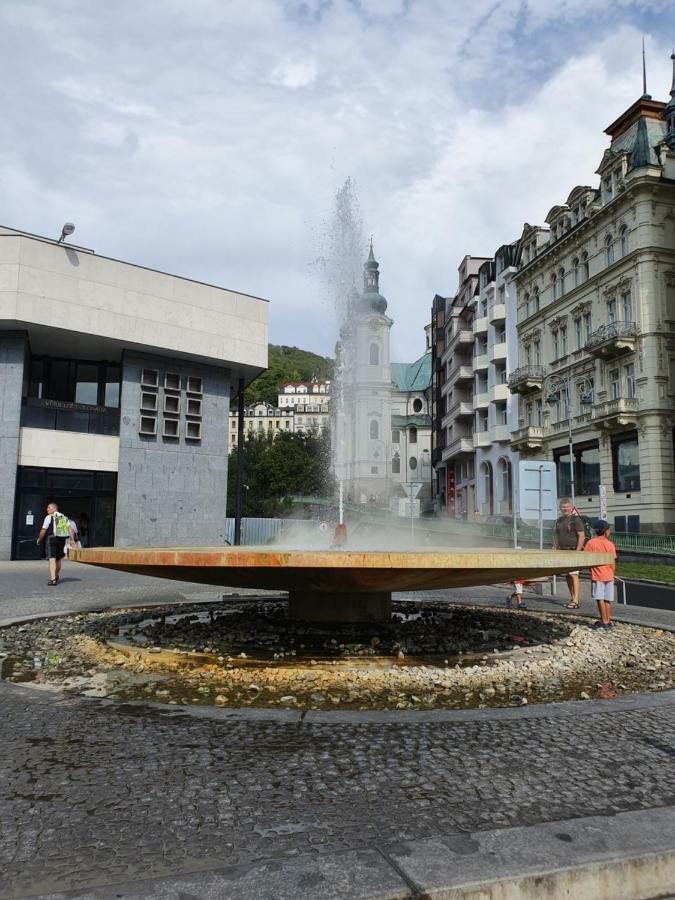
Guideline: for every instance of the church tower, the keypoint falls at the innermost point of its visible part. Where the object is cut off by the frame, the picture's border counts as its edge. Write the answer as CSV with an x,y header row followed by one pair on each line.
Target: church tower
x,y
363,416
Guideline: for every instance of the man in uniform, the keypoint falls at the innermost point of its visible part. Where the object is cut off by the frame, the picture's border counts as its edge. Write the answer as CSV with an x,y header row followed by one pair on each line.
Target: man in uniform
x,y
569,535
56,528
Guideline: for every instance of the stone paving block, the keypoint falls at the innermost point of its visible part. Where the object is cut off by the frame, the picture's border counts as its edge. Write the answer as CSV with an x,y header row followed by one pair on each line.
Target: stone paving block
x,y
629,856
355,875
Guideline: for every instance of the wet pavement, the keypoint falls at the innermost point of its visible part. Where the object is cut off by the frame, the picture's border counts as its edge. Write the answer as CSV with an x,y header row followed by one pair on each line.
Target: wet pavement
x,y
102,793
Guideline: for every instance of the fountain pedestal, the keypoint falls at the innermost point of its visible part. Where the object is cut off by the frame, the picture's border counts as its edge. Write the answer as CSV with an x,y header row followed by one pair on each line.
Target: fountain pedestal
x,y
329,606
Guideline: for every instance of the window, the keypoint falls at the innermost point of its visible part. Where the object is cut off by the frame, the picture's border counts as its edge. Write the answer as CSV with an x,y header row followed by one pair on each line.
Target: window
x,y
578,334
412,463
614,384
396,464
535,299
609,249
554,286
588,325
556,345
611,311
577,271
528,309
374,429
586,460
623,237
626,462
417,405
486,480
607,188
374,355
504,468
627,306
502,377
538,413
561,281
395,436
412,435
528,355
537,353
585,268
528,414
501,414
563,340
629,376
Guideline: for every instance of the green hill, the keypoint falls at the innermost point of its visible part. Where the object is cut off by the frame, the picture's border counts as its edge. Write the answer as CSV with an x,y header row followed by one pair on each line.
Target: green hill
x,y
288,364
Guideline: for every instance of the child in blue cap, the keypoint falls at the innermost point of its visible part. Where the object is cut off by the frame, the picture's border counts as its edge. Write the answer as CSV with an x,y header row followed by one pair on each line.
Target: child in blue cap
x,y
602,577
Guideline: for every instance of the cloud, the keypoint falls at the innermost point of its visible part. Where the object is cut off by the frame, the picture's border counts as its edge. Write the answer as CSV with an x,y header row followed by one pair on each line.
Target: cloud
x,y
208,140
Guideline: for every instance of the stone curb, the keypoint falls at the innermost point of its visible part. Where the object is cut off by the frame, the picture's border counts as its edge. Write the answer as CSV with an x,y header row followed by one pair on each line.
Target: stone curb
x,y
629,856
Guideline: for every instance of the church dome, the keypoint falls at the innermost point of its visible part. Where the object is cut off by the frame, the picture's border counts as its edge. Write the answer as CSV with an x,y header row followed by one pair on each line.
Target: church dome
x,y
372,299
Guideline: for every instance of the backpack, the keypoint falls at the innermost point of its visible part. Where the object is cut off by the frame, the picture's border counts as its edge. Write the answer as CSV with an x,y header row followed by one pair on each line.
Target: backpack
x,y
588,530
60,523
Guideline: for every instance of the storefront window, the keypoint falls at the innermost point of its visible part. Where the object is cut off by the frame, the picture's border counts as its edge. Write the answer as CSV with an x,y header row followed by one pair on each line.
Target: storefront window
x,y
86,386
586,469
626,462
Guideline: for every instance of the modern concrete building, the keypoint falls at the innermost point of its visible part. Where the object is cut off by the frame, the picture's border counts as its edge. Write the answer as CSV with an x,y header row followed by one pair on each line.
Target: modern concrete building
x,y
495,408
115,385
464,350
596,329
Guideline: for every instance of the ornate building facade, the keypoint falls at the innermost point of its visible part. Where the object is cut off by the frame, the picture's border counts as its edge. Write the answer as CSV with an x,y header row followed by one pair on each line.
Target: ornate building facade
x,y
596,329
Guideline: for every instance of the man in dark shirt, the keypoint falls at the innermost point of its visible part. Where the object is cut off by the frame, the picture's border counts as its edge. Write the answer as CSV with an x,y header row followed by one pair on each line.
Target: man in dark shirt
x,y
569,535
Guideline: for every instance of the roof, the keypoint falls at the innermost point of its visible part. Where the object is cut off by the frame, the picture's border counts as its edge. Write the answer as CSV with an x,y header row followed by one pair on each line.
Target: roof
x,y
415,376
655,133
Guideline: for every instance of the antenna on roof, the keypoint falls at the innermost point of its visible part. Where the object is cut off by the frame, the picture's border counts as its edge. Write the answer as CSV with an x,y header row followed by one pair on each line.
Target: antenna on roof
x,y
645,95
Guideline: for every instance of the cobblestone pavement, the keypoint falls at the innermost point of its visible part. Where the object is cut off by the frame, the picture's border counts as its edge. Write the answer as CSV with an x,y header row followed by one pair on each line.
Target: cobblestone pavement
x,y
97,793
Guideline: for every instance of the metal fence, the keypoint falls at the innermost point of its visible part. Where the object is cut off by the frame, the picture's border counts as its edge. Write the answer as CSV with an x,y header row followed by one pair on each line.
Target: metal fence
x,y
256,532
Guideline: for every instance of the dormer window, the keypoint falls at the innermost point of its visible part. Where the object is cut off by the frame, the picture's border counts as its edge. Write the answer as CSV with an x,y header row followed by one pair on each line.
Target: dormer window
x,y
607,188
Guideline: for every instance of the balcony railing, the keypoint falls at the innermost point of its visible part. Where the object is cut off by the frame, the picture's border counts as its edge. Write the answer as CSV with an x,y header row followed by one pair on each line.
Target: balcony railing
x,y
481,438
460,409
531,437
480,325
498,351
620,411
497,313
480,362
499,392
612,339
499,433
480,401
460,373
458,447
526,378
59,415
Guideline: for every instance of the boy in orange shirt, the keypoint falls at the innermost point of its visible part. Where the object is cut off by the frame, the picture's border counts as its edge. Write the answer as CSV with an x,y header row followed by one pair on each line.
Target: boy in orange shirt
x,y
602,577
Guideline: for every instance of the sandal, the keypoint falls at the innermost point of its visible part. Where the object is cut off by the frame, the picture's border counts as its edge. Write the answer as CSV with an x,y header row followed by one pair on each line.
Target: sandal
x,y
571,606
53,582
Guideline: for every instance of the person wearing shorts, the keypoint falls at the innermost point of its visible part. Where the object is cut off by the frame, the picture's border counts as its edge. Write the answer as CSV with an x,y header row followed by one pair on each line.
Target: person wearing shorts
x,y
569,534
602,577
55,523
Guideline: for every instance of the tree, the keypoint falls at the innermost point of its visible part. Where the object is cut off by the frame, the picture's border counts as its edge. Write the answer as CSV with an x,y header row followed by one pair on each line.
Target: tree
x,y
287,364
277,468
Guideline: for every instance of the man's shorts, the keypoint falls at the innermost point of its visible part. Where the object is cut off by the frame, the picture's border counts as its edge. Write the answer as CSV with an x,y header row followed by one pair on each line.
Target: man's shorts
x,y
603,590
56,547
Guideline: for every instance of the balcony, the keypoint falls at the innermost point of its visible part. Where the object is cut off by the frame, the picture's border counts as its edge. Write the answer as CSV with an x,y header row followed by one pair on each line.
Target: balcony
x,y
463,338
461,446
531,437
500,434
498,351
480,325
460,409
480,363
526,379
460,374
612,340
615,413
481,401
499,392
481,438
497,314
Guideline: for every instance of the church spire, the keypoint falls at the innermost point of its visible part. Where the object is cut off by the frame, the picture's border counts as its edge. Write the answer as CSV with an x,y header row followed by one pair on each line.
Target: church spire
x,y
645,95
371,274
669,111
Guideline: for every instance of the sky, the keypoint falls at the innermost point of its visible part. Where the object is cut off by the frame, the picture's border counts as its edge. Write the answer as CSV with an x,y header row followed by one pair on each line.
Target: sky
x,y
208,139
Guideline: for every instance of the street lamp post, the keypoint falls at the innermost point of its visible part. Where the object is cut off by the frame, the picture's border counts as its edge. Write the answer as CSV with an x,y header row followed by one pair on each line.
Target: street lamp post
x,y
558,384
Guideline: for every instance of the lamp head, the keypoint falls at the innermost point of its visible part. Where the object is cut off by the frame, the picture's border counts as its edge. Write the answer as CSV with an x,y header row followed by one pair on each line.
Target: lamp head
x,y
67,230
552,399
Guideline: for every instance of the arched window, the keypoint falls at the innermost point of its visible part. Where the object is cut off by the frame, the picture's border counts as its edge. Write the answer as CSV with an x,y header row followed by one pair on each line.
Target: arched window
x,y
374,355
486,488
609,249
374,429
527,305
561,281
535,299
504,475
585,268
577,271
554,286
412,437
623,236
395,436
412,462
396,464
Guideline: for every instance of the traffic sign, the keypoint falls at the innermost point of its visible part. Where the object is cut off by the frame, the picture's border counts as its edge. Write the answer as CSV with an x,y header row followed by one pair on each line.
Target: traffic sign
x,y
412,488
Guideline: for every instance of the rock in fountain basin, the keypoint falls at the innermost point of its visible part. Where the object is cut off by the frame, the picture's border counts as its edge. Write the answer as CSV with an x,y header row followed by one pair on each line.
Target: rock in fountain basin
x,y
338,585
